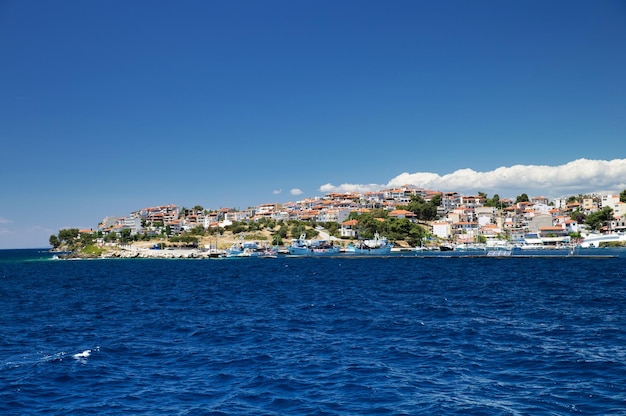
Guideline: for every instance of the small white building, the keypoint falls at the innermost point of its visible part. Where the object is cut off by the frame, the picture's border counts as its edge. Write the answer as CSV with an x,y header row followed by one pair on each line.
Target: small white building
x,y
442,229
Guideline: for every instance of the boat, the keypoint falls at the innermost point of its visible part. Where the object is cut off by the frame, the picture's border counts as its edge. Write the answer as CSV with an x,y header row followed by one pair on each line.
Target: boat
x,y
268,253
377,245
446,247
594,240
244,249
303,247
470,247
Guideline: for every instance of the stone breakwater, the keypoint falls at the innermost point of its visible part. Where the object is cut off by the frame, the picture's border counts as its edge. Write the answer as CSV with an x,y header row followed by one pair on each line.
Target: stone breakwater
x,y
132,253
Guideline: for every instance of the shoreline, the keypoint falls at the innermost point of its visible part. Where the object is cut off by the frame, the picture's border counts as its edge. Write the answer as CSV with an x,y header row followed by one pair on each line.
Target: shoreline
x,y
195,253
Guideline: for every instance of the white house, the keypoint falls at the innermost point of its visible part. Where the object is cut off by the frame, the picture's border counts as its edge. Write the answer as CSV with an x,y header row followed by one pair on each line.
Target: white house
x,y
442,229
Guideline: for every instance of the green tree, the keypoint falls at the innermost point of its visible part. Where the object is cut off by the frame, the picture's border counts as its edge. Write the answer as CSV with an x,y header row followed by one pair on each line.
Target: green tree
x,y
197,230
277,240
399,228
254,226
297,229
283,231
370,223
68,235
578,216
110,237
522,198
622,196
332,228
416,235
493,202
54,241
426,211
125,236
597,219
238,227
86,239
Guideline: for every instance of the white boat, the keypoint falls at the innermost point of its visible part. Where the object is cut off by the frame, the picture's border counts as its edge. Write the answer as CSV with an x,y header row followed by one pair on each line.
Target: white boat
x,y
377,245
594,240
303,247
470,247
268,253
244,249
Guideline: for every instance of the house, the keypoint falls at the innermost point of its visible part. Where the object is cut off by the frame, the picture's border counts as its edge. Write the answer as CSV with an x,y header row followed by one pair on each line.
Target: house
x,y
402,213
608,201
349,228
472,201
237,216
462,213
399,195
373,199
176,226
131,223
590,205
107,223
490,231
209,220
618,224
465,231
619,209
540,221
485,215
442,229
450,200
539,200
554,235
163,214
334,215
266,209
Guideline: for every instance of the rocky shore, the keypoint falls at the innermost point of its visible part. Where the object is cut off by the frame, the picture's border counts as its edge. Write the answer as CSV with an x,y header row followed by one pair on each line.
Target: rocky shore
x,y
208,247
133,252
178,253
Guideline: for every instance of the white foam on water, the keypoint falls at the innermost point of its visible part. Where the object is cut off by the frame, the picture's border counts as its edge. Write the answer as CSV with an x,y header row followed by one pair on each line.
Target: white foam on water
x,y
83,354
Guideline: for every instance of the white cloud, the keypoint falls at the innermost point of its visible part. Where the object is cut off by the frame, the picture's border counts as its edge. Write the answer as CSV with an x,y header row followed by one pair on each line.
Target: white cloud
x,y
277,191
350,187
295,191
5,221
578,176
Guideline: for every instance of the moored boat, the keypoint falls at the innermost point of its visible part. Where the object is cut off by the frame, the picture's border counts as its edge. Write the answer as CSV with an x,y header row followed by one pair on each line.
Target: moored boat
x,y
446,247
594,240
244,249
303,247
268,253
377,245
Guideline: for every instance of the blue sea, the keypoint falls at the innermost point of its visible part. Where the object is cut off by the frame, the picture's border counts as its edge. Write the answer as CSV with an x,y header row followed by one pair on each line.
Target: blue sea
x,y
397,335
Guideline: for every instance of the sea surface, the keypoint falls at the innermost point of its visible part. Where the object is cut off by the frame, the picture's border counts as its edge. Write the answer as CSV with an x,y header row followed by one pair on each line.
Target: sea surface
x,y
398,335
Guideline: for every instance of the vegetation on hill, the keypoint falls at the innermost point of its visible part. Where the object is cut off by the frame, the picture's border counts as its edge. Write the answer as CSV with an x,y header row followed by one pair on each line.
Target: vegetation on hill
x,y
272,232
411,231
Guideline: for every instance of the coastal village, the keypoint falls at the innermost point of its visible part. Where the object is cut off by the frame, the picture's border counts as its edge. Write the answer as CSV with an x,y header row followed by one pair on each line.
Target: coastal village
x,y
462,221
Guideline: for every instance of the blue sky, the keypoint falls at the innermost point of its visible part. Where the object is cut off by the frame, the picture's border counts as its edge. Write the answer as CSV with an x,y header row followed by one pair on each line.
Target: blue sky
x,y
110,106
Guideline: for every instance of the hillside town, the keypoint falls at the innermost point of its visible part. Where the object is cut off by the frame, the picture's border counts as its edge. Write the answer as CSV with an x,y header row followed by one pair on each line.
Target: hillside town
x,y
460,221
